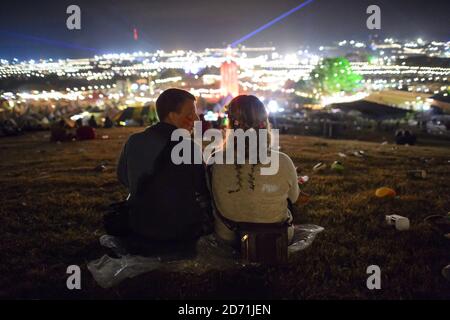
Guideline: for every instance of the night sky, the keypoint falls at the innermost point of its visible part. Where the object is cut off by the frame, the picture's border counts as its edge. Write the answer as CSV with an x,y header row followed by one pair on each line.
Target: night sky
x,y
37,29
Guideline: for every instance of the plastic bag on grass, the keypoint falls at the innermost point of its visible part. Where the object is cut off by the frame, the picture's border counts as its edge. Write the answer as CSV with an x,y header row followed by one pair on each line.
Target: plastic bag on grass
x,y
109,272
304,236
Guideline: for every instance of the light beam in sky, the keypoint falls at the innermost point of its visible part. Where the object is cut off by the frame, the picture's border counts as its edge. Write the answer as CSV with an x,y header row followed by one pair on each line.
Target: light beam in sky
x,y
270,23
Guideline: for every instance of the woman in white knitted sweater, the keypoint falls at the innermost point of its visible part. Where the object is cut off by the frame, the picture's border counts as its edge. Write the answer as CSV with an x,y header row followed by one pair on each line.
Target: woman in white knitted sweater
x,y
241,193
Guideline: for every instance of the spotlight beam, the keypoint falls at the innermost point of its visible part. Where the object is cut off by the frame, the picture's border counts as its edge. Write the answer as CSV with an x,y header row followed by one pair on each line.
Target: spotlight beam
x,y
270,23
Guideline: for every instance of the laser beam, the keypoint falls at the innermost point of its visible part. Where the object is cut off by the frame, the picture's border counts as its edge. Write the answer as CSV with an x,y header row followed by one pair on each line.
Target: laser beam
x,y
270,23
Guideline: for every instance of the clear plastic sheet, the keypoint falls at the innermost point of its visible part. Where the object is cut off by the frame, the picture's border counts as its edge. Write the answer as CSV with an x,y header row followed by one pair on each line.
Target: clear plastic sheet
x,y
304,236
212,254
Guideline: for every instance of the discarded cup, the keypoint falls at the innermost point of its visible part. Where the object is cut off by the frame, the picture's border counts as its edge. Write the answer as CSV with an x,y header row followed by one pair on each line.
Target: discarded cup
x,y
337,166
401,223
319,167
105,137
417,174
384,192
359,153
303,180
342,155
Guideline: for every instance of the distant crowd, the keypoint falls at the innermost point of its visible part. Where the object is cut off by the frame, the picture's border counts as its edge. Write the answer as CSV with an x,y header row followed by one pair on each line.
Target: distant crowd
x,y
21,119
63,130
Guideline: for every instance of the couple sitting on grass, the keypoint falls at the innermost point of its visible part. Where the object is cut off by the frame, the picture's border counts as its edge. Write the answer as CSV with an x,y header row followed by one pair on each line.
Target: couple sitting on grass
x,y
172,205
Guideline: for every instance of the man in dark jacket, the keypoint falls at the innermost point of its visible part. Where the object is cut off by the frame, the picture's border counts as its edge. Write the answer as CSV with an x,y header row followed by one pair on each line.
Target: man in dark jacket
x,y
168,202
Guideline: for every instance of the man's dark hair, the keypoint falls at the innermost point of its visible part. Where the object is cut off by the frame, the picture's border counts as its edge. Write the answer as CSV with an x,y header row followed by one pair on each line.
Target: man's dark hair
x,y
170,101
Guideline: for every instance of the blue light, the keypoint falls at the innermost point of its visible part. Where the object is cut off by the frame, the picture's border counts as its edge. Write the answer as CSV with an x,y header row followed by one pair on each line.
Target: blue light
x,y
47,41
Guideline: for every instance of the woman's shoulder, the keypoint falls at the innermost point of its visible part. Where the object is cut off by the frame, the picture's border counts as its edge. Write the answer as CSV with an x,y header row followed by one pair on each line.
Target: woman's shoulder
x,y
283,157
286,165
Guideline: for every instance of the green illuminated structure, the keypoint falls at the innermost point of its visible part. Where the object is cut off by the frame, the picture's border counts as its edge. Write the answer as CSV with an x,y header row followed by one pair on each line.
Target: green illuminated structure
x,y
334,75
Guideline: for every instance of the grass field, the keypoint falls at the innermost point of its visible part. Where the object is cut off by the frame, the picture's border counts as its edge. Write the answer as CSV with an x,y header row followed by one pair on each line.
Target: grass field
x,y
52,201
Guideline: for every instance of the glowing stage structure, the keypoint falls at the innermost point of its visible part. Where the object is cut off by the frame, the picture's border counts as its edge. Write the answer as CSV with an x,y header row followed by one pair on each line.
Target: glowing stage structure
x,y
229,85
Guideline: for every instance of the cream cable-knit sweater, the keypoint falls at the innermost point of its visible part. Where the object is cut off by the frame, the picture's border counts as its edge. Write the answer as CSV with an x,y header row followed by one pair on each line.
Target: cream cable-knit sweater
x,y
267,203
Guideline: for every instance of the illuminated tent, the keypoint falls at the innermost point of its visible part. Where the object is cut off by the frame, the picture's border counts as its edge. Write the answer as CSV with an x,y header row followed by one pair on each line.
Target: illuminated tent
x,y
69,123
136,114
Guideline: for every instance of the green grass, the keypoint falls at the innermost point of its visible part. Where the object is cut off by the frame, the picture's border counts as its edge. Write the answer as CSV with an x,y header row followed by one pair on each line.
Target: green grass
x,y
52,201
